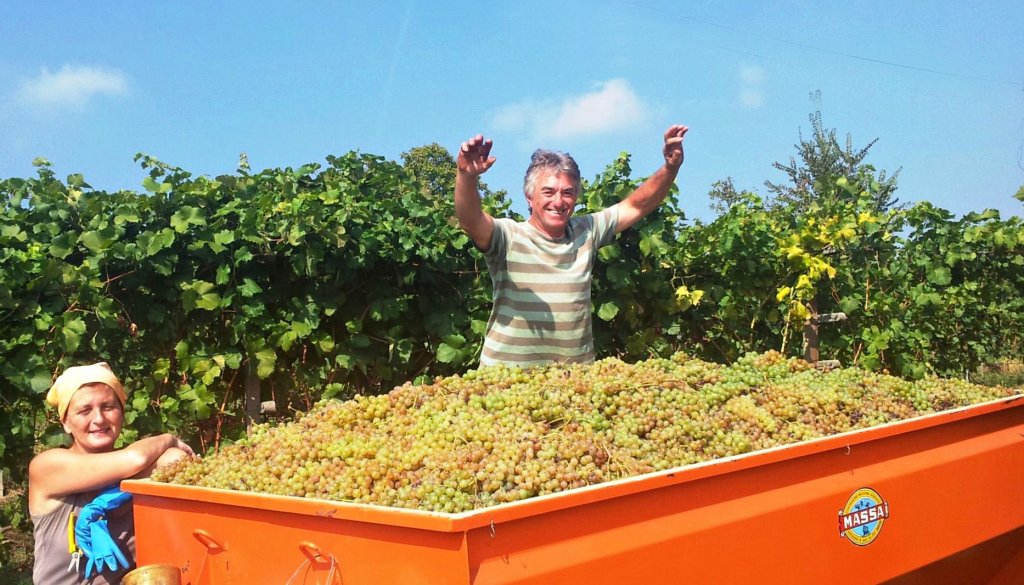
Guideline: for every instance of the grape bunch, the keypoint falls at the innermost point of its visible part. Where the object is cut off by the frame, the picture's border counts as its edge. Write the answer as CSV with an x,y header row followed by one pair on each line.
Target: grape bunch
x,y
499,434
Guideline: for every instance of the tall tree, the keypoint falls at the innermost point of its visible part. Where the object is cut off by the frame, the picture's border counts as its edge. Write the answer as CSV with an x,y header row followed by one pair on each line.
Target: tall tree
x,y
723,195
821,159
432,167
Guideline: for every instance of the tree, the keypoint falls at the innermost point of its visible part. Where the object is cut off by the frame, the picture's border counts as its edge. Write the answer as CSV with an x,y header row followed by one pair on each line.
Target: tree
x,y
819,161
433,169
723,195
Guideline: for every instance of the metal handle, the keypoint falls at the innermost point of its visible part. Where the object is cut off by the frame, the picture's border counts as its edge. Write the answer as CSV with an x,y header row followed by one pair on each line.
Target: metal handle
x,y
313,556
312,552
207,540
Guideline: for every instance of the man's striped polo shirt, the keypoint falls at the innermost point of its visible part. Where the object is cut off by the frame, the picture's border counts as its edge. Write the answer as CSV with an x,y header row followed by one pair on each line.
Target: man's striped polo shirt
x,y
541,311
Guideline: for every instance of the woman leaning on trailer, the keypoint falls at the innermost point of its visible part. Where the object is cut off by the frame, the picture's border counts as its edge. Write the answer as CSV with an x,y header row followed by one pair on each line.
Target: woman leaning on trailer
x,y
83,524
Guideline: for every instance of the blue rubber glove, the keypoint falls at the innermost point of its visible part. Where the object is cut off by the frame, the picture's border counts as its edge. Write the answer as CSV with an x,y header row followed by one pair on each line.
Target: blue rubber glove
x,y
92,513
104,551
111,497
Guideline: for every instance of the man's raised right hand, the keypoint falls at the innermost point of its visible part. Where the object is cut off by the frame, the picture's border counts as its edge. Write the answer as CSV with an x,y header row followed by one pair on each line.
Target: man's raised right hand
x,y
475,156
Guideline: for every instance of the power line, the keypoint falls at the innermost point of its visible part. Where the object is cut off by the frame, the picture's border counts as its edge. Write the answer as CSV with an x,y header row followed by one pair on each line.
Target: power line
x,y
834,52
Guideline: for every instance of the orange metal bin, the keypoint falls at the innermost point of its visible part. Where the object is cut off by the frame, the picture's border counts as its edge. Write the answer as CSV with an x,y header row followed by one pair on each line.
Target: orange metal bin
x,y
936,499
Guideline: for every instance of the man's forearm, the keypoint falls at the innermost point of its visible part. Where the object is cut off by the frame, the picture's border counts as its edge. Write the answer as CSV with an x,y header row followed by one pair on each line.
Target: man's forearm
x,y
647,197
471,215
467,198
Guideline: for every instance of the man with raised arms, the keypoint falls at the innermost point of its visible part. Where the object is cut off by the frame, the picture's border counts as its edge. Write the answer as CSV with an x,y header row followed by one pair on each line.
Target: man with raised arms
x,y
541,268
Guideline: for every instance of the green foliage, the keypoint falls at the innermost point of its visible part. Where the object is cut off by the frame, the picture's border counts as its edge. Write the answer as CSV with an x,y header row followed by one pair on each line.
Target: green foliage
x,y
924,293
341,278
947,297
638,288
733,261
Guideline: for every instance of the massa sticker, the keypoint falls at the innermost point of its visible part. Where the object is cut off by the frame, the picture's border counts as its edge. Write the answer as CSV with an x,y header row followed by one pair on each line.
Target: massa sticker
x,y
861,520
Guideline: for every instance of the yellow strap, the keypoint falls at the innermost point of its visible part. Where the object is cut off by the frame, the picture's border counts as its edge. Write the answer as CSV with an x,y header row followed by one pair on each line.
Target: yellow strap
x,y
72,546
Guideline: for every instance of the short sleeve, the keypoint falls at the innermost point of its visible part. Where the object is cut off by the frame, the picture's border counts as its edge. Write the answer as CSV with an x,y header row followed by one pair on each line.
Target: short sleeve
x,y
500,238
605,222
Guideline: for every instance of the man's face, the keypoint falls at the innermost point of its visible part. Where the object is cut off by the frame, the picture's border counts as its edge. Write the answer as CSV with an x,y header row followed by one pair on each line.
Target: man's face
x,y
552,203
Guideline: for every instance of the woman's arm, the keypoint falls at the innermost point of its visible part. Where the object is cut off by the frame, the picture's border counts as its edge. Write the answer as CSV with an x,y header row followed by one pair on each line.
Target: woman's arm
x,y
59,472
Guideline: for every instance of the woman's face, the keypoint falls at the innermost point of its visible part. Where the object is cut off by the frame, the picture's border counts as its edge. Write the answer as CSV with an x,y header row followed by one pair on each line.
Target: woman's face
x,y
94,418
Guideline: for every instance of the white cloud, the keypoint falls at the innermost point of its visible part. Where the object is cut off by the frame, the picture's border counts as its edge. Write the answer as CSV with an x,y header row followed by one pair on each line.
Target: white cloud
x,y
752,98
752,94
71,86
752,75
611,106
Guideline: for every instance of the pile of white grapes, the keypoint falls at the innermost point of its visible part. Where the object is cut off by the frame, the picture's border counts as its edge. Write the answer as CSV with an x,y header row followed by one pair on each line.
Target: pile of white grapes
x,y
497,435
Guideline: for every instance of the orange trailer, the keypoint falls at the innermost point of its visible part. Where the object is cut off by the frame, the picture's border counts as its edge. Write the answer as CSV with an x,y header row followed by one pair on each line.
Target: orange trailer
x,y
935,499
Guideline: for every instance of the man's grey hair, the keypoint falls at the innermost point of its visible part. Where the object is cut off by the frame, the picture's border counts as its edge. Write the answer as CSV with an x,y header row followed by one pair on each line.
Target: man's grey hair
x,y
550,160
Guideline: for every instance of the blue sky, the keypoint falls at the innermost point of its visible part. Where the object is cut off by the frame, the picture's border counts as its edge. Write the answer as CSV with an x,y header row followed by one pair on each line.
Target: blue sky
x,y
939,84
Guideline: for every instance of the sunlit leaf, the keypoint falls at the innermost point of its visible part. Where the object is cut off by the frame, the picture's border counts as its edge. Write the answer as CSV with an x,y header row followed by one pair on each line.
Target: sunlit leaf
x,y
96,241
266,360
447,354
185,217
608,311
149,184
940,275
